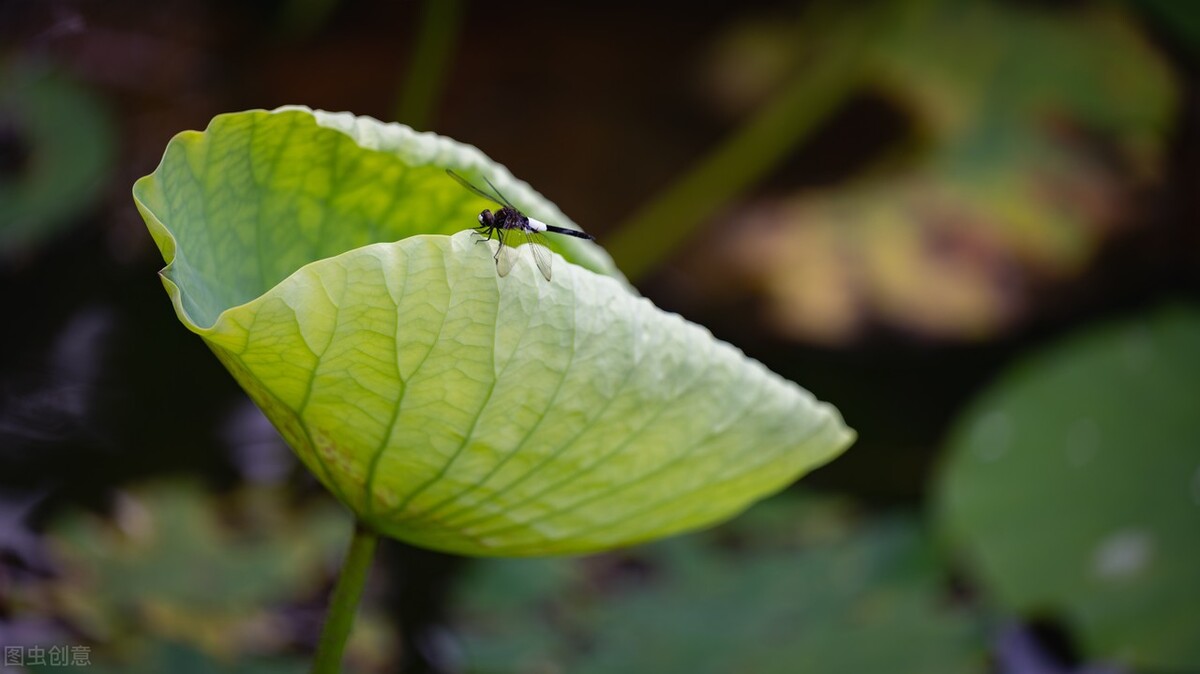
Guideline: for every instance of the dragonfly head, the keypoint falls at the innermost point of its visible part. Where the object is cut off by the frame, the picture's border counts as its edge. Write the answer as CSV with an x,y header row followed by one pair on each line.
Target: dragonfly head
x,y
486,219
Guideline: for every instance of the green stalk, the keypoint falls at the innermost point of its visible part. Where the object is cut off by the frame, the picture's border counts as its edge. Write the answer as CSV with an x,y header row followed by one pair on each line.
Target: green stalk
x,y
344,604
740,161
435,41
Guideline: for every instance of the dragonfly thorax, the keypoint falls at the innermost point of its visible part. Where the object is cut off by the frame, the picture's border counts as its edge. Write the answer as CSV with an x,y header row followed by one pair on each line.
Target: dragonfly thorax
x,y
504,218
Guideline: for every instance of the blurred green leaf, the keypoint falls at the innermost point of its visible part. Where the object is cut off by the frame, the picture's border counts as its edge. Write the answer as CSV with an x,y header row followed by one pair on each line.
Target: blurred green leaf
x,y
785,588
156,657
167,564
1033,130
1073,488
56,148
449,407
177,579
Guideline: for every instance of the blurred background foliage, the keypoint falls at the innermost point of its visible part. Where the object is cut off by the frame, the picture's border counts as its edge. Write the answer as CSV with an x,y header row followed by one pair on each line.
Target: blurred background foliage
x,y
798,584
1020,157
970,225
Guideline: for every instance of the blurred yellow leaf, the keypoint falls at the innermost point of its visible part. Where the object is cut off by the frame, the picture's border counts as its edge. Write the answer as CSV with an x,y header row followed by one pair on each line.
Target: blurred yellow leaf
x,y
1037,128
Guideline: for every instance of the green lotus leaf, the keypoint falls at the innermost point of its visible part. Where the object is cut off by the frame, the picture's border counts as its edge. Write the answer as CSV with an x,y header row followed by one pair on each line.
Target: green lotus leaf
x,y
316,254
809,587
58,145
1072,488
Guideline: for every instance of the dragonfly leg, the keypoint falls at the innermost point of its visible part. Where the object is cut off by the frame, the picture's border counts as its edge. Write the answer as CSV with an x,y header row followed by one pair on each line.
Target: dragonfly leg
x,y
500,239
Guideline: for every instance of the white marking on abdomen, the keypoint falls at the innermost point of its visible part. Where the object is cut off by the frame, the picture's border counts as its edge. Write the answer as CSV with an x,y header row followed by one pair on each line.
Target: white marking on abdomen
x,y
537,225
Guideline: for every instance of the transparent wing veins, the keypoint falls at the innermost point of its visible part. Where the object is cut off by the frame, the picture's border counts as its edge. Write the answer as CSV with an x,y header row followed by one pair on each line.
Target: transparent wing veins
x,y
494,198
541,252
506,256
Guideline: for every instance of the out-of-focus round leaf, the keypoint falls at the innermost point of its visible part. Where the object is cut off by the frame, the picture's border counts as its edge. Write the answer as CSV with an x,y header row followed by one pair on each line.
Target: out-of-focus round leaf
x,y
1073,487
447,406
56,147
804,589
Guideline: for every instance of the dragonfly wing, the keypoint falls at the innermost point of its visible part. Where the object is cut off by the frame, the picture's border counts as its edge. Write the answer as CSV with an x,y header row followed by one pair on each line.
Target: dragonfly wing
x,y
506,257
536,243
541,256
465,183
500,194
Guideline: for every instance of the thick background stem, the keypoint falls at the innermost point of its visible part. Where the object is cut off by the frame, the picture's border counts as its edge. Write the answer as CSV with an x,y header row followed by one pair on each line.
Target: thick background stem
x,y
435,40
344,604
659,228
833,71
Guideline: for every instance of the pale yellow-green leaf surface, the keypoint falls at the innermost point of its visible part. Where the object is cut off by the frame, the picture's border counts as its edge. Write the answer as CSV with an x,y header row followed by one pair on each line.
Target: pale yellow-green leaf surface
x,y
323,258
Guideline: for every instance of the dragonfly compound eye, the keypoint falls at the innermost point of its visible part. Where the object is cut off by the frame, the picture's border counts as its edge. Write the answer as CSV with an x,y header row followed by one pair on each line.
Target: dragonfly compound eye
x,y
485,218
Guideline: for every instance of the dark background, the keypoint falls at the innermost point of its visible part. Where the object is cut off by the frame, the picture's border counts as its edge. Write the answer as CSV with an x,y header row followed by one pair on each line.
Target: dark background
x,y
600,106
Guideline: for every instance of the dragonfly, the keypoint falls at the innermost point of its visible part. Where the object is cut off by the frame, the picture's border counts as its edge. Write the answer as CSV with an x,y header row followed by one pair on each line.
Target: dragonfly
x,y
509,223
